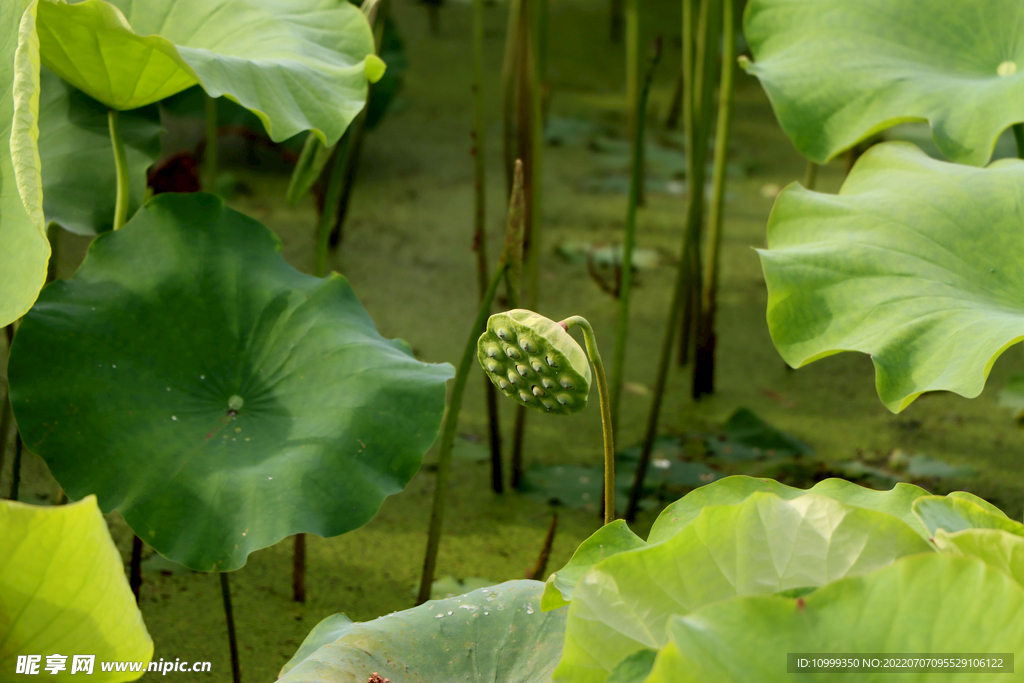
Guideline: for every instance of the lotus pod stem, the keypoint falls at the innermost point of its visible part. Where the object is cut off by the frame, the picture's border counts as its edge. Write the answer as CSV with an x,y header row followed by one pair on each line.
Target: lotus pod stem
x,y
121,165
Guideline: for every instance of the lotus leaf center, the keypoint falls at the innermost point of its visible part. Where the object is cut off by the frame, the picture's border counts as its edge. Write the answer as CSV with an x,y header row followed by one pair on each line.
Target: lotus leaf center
x,y
1007,68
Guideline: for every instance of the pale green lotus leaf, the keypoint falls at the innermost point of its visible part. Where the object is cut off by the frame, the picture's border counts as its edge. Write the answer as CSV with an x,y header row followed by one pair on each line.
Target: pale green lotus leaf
x,y
897,502
609,540
928,604
999,549
490,635
297,64
763,545
837,71
915,262
24,249
63,592
956,514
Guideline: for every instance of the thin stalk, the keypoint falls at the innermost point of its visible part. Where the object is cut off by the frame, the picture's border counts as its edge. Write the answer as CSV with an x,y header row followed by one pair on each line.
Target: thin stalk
x,y
509,79
704,365
675,109
688,82
606,412
121,165
629,240
811,175
634,107
530,140
1018,135
334,186
229,615
210,151
16,470
135,571
689,272
537,573
6,417
480,227
616,21
53,235
299,569
451,419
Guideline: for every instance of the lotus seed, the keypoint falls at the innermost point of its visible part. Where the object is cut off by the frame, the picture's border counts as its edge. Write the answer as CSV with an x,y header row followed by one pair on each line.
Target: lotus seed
x,y
523,370
236,402
503,385
537,391
528,346
548,384
551,362
548,405
564,399
566,382
514,378
503,334
538,367
512,353
525,396
493,367
493,352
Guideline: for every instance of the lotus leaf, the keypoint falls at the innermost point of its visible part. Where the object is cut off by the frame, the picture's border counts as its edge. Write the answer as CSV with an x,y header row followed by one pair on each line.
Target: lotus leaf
x,y
215,396
63,591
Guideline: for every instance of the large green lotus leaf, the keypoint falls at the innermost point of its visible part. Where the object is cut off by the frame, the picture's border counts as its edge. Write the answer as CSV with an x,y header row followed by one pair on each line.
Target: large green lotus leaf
x,y
609,540
79,176
915,262
215,396
837,72
956,514
997,548
928,604
297,64
765,544
24,249
63,591
488,635
897,502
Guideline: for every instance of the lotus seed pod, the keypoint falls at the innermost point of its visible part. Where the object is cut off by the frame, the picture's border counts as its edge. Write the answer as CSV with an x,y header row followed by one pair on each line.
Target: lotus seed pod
x,y
518,340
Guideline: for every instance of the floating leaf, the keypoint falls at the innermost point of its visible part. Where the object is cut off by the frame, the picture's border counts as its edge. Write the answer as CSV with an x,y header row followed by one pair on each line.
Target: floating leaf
x,y
763,545
897,502
609,540
745,436
63,590
923,604
491,634
838,72
79,177
915,262
24,249
216,397
297,64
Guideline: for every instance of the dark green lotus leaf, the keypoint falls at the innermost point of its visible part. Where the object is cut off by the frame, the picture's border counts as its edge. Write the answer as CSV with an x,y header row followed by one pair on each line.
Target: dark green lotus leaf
x,y
609,540
297,64
957,514
24,249
897,502
745,437
763,545
489,635
63,591
837,72
928,604
916,262
79,177
215,396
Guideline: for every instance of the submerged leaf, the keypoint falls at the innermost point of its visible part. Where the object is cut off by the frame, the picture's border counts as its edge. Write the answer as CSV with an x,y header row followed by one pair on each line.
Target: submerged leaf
x,y
63,590
215,396
916,262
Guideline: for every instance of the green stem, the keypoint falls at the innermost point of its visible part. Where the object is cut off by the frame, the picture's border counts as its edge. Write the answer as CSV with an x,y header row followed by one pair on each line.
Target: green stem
x,y
451,420
229,615
704,363
210,151
606,412
1018,135
121,164
811,175
53,235
334,187
509,71
689,271
628,242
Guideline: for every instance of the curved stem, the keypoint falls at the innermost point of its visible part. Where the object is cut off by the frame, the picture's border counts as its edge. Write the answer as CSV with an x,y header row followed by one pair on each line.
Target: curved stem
x,y
606,412
811,175
451,421
121,164
210,151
